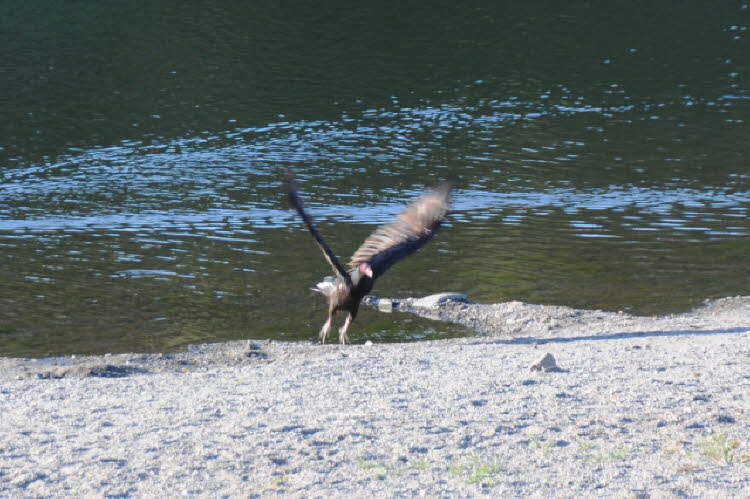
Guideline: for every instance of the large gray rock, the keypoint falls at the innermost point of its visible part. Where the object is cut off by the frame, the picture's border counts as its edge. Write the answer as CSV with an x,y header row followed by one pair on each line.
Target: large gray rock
x,y
434,301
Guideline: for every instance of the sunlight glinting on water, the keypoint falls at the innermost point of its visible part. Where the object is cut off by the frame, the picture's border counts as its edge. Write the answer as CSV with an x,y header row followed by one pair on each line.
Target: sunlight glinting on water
x,y
468,205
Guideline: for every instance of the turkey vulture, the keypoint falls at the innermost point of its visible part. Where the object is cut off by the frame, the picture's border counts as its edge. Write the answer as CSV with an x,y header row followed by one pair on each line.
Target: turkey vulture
x,y
388,244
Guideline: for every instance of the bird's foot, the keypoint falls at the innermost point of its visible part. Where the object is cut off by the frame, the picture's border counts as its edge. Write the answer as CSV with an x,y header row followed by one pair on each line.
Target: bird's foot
x,y
343,336
324,331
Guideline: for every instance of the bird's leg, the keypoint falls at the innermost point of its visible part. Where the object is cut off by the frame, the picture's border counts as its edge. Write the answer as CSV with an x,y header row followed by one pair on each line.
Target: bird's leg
x,y
326,327
343,336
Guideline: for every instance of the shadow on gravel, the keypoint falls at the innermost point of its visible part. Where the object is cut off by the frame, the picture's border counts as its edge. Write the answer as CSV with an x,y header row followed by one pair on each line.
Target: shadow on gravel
x,y
110,371
100,371
620,336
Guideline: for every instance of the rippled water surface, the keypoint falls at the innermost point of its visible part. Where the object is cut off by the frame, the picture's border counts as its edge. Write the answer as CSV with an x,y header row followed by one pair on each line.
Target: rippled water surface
x,y
601,159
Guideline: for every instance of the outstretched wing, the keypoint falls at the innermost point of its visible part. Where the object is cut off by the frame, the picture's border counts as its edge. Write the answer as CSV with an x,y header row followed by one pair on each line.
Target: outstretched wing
x,y
296,201
407,233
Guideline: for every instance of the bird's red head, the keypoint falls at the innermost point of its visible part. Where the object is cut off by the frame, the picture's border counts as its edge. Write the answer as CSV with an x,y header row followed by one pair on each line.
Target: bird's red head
x,y
365,269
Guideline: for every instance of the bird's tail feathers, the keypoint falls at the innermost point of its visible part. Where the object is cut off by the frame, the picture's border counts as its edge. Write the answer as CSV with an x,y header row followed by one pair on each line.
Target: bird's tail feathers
x,y
326,286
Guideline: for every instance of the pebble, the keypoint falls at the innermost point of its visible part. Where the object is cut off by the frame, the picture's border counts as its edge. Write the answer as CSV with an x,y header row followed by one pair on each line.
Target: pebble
x,y
545,364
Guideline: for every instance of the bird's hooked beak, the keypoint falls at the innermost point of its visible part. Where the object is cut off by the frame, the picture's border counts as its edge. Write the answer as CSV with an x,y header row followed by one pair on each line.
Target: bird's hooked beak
x,y
365,269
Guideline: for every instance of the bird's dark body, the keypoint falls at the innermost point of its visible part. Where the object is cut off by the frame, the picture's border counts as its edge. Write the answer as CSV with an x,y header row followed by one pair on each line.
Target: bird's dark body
x,y
348,298
387,245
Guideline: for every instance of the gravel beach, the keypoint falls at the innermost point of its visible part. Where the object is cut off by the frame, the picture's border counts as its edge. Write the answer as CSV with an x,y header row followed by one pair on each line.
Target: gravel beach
x,y
633,406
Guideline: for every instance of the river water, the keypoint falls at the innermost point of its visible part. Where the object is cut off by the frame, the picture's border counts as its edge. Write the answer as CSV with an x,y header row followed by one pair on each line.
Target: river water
x,y
600,152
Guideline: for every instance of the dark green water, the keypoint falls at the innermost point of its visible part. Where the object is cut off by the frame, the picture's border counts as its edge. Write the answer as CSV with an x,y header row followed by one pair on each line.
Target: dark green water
x,y
601,153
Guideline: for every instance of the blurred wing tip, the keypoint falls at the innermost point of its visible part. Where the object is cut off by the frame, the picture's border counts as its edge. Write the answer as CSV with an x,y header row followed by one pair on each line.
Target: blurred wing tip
x,y
446,184
289,180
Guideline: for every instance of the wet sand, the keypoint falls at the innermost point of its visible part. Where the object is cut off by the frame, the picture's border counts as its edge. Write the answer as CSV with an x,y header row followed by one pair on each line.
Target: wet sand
x,y
638,405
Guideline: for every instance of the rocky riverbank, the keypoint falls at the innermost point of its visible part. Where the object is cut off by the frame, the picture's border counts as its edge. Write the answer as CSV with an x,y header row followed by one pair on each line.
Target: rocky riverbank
x,y
636,405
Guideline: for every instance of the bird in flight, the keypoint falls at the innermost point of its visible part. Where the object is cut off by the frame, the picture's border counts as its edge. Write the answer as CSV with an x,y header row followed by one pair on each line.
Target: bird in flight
x,y
408,232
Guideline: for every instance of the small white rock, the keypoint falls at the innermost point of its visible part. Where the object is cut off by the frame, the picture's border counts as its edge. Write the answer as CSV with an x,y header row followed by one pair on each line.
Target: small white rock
x,y
545,364
385,305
